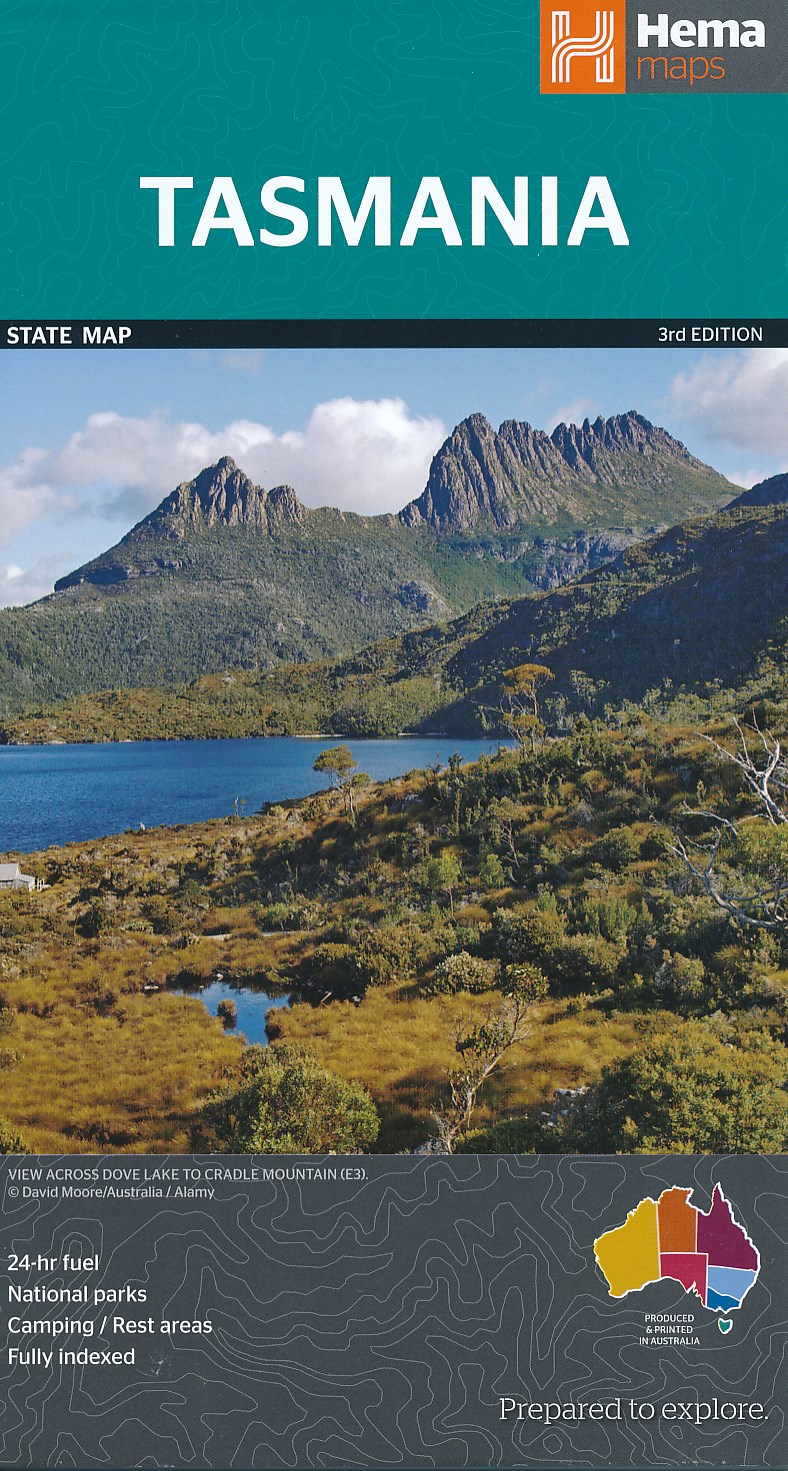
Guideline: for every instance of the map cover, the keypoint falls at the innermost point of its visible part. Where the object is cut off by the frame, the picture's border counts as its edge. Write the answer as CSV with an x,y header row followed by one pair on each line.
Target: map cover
x,y
393,722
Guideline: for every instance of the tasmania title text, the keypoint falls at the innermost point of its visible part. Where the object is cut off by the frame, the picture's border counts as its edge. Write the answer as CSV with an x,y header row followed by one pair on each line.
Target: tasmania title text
x,y
557,218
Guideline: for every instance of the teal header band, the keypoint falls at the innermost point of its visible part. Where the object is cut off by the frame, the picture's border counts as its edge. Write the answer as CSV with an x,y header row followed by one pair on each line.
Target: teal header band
x,y
98,95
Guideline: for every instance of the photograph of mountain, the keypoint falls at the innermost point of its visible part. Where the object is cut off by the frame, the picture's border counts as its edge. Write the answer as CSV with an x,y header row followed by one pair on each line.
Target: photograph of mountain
x,y
373,778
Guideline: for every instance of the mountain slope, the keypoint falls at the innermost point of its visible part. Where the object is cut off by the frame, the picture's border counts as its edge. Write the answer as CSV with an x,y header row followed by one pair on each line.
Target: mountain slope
x,y
226,574
771,492
705,602
701,609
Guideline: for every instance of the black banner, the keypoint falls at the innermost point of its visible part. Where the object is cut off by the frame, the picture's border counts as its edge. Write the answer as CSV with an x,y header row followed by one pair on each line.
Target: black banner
x,y
398,332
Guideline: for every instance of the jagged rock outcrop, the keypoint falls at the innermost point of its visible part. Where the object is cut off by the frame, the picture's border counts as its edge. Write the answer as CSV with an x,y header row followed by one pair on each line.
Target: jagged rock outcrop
x,y
480,477
596,450
220,496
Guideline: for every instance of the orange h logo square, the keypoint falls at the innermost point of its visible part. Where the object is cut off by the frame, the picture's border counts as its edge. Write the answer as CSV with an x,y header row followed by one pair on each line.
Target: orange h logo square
x,y
583,46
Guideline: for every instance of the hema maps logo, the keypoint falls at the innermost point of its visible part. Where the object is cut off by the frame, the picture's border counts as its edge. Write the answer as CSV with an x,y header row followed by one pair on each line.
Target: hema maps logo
x,y
568,47
588,48
583,47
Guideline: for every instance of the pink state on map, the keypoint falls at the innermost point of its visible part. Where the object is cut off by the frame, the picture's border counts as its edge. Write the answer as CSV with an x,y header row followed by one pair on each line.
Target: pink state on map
x,y
688,1268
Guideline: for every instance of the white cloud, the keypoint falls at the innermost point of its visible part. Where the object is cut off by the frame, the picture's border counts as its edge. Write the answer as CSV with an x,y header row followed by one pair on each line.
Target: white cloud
x,y
740,398
26,494
368,456
20,585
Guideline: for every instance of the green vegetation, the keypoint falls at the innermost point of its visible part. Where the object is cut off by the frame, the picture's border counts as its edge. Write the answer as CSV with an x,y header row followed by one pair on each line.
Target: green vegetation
x,y
10,1141
689,624
579,944
695,1088
239,599
279,1100
340,766
405,930
482,1048
520,704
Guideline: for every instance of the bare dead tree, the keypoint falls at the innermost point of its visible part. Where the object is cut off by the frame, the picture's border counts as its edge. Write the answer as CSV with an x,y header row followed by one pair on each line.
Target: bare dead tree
x,y
512,851
482,1049
762,902
763,769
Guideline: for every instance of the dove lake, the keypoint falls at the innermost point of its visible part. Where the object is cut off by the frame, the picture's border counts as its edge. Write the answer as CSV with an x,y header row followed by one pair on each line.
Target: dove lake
x,y
50,795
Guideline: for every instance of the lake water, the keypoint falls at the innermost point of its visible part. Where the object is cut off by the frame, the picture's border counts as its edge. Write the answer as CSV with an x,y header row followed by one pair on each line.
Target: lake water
x,y
61,794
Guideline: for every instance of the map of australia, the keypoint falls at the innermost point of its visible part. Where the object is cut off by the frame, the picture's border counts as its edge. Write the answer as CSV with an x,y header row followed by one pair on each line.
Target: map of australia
x,y
709,1253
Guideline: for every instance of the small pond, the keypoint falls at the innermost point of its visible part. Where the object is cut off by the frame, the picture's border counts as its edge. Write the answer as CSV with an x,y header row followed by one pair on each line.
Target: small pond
x,y
252,1005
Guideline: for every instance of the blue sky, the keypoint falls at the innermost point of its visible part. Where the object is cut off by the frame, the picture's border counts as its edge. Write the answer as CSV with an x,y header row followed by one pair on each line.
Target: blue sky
x,y
93,440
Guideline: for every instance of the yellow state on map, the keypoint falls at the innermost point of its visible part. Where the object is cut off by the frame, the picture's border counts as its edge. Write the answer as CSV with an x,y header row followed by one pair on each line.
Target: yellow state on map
x,y
629,1255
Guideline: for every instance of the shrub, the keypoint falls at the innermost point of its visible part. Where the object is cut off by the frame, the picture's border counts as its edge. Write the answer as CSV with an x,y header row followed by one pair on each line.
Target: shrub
x,y
526,981
618,848
10,1141
386,954
281,1101
468,937
693,924
95,918
193,895
741,974
288,915
681,979
611,918
464,972
532,936
659,844
442,936
587,962
491,872
332,966
688,1090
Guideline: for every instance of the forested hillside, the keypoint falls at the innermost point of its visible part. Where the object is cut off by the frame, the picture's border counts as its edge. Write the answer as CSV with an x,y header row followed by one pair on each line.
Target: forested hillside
x,y
700,610
224,574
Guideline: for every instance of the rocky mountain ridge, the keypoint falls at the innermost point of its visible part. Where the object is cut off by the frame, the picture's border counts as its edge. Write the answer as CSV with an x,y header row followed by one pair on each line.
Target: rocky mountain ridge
x,y
522,474
516,480
223,495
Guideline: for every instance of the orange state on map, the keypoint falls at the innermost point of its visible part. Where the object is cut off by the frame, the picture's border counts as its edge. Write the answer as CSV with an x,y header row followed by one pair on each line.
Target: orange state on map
x,y
709,1253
